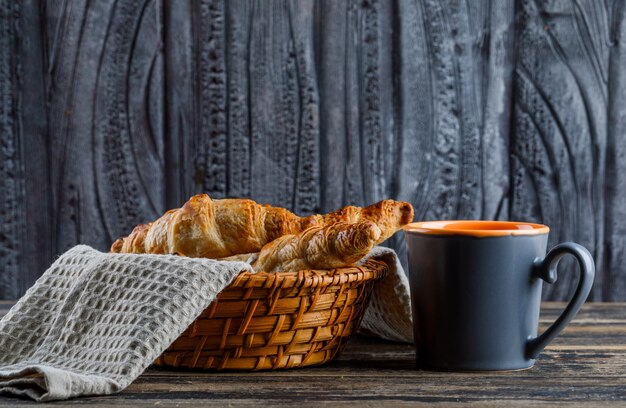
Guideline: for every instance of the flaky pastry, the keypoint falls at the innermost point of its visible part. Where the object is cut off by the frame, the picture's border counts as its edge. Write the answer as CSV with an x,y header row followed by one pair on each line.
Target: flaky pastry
x,y
209,228
330,246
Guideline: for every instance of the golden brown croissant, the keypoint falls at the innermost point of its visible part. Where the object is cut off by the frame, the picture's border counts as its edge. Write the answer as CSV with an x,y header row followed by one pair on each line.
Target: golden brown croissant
x,y
389,215
208,228
331,246
220,228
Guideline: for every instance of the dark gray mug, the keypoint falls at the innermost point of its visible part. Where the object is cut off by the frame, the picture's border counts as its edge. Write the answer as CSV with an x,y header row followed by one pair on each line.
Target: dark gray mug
x,y
476,292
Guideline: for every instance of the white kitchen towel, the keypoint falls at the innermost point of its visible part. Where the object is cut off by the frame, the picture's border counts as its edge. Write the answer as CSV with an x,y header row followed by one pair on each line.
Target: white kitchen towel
x,y
389,313
95,321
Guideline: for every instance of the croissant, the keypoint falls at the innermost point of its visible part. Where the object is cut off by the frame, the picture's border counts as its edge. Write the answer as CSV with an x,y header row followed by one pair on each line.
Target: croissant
x,y
330,246
208,228
389,215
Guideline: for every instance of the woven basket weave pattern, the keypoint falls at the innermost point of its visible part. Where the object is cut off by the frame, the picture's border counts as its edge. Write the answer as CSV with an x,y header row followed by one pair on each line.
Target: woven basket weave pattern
x,y
277,320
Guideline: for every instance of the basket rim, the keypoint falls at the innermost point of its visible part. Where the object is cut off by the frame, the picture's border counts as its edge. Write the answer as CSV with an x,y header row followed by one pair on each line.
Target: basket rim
x,y
372,269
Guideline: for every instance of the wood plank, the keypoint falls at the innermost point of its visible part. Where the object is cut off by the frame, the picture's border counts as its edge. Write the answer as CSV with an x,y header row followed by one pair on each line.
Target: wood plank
x,y
613,268
106,132
210,136
12,190
561,145
334,109
238,37
179,105
584,366
25,233
127,136
36,248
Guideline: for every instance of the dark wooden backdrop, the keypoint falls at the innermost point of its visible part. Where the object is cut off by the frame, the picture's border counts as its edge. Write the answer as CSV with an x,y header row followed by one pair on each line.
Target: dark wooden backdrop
x,y
112,111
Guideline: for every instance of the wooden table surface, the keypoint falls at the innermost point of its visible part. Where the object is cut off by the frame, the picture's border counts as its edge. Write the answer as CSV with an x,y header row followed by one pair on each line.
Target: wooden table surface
x,y
584,366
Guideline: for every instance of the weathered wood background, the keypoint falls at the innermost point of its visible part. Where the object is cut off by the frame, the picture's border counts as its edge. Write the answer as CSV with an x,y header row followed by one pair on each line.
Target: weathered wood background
x,y
112,111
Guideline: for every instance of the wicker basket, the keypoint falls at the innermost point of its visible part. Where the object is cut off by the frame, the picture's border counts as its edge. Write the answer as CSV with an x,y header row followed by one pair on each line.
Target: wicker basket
x,y
277,320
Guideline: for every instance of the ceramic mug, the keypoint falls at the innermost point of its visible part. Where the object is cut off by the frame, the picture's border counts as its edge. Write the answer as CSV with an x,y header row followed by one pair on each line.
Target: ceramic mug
x,y
476,292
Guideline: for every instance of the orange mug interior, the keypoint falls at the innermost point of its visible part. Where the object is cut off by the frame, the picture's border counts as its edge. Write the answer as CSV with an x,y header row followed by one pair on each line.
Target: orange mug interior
x,y
476,228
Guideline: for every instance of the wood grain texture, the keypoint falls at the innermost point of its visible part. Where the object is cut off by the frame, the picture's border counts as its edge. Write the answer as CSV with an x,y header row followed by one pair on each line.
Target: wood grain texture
x,y
25,234
584,366
563,147
114,111
105,137
11,159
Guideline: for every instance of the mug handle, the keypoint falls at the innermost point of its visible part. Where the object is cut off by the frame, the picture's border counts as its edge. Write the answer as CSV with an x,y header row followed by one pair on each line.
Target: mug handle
x,y
546,269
